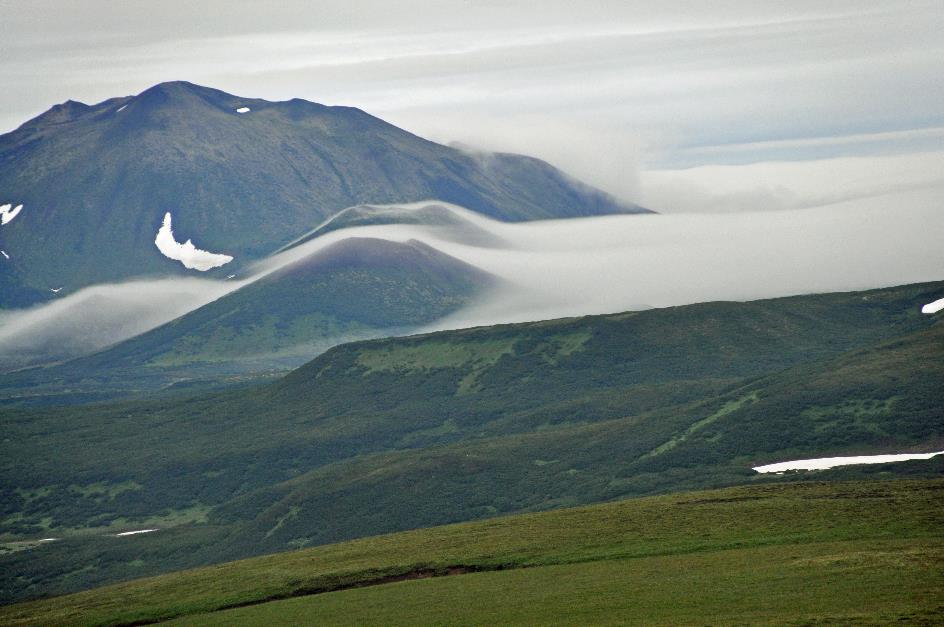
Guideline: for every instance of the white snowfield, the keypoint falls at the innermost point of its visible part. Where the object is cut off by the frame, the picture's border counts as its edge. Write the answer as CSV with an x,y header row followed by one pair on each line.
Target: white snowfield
x,y
823,463
4,253
134,533
192,257
8,212
934,307
243,110
120,109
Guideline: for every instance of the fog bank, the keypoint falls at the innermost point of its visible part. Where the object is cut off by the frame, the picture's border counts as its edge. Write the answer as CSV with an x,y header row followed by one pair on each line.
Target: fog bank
x,y
98,316
572,267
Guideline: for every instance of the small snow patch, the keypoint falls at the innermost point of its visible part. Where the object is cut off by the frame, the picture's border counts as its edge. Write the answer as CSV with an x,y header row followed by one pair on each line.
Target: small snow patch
x,y
47,539
8,212
232,276
4,253
133,533
55,290
192,257
120,109
243,110
934,307
823,463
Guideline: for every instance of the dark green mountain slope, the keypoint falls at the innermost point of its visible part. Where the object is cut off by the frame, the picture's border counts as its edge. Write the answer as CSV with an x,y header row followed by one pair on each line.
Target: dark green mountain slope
x,y
392,434
95,181
353,289
881,399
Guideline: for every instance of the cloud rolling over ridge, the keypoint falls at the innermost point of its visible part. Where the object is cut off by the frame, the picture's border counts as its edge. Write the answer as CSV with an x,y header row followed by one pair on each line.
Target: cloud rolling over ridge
x,y
571,267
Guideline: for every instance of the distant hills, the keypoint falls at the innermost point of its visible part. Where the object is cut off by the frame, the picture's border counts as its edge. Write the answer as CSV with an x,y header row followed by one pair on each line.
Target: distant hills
x,y
398,433
241,177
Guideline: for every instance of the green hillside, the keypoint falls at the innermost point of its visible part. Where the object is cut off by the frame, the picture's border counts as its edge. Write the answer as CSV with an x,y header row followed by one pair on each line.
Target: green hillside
x,y
96,180
353,289
855,404
847,552
394,434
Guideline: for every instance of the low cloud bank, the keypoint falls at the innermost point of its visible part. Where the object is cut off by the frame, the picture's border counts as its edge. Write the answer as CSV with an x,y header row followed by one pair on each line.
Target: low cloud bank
x,y
779,185
570,267
616,263
98,316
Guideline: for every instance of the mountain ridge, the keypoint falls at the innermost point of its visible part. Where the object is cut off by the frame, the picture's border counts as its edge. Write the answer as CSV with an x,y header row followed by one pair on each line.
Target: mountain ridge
x,y
96,180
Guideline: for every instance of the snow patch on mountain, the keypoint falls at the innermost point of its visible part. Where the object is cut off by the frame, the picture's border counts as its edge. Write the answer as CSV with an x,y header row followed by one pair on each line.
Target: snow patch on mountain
x,y
134,533
4,253
823,463
192,257
8,212
934,307
243,110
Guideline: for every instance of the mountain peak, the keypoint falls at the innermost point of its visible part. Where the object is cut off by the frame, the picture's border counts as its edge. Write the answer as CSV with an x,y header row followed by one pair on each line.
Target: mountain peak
x,y
64,112
370,253
180,91
185,85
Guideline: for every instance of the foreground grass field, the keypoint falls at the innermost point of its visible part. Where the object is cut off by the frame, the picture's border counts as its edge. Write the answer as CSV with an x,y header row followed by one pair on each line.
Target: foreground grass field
x,y
865,551
837,582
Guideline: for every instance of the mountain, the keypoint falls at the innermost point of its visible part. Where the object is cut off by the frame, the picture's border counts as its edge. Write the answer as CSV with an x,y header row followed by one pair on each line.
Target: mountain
x,y
392,434
355,288
240,176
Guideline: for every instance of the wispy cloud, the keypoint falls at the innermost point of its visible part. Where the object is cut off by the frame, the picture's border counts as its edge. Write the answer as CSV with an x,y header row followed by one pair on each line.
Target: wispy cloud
x,y
779,185
97,316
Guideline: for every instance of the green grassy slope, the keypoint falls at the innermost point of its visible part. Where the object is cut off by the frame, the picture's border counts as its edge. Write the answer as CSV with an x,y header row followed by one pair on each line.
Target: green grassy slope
x,y
842,551
353,289
394,434
846,583
885,399
95,182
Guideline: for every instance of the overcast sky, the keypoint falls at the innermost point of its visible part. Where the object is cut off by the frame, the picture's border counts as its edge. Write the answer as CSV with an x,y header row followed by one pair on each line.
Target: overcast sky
x,y
638,98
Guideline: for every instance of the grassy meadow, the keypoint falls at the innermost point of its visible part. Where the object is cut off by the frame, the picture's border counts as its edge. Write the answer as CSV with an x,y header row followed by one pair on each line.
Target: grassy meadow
x,y
862,551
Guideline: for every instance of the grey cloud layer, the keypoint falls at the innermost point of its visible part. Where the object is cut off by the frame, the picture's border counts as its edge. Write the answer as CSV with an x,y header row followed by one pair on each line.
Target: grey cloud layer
x,y
599,88
97,316
572,267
